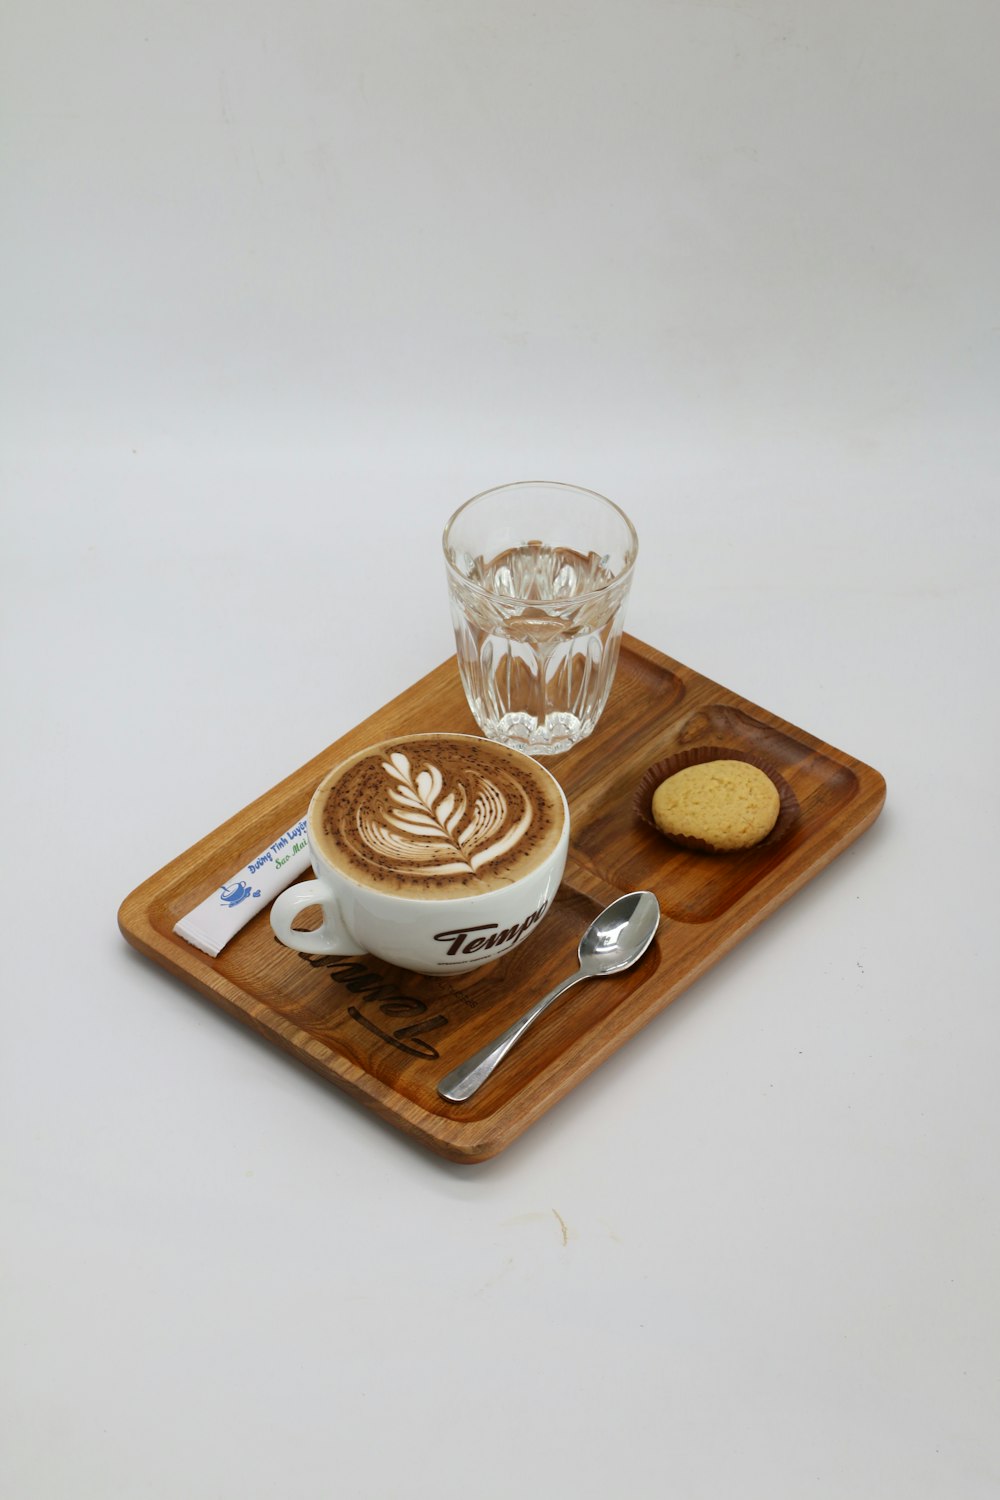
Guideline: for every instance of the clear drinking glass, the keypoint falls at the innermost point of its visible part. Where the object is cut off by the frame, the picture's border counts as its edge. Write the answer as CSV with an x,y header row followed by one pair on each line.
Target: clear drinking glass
x,y
538,575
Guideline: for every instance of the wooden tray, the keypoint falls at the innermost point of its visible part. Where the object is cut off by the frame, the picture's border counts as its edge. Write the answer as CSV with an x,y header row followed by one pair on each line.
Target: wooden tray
x,y
336,1015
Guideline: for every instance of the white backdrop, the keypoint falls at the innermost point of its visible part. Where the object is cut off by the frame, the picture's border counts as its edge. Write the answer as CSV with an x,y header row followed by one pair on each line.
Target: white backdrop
x,y
282,287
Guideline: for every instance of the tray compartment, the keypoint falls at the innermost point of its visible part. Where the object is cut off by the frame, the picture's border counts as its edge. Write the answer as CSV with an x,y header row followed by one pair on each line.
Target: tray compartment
x,y
692,886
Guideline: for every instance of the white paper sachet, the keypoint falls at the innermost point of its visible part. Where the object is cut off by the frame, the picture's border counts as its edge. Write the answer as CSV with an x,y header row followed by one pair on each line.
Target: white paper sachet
x,y
229,908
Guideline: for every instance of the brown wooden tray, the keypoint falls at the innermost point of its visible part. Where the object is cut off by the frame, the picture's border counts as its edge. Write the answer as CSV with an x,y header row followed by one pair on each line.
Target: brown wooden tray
x,y
336,1015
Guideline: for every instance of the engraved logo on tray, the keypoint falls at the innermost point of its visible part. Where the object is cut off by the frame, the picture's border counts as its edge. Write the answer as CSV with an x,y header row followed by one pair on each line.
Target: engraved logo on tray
x,y
386,998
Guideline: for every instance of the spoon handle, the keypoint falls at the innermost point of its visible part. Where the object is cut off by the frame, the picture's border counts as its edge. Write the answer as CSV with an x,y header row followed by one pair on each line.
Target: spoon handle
x,y
464,1080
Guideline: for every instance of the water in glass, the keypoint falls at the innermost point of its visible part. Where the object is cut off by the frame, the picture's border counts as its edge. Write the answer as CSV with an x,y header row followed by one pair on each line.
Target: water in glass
x,y
538,630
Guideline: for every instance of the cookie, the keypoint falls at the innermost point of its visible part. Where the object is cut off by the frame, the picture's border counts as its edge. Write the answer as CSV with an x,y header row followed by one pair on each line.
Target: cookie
x,y
727,804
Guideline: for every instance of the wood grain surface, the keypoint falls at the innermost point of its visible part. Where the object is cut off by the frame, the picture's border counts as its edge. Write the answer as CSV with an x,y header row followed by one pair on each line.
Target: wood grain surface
x,y
354,1020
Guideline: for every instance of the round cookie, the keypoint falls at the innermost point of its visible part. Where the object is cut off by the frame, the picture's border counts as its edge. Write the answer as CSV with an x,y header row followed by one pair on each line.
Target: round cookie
x,y
725,803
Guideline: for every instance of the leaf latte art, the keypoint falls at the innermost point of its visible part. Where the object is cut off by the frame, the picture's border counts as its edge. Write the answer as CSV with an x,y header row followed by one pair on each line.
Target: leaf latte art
x,y
431,814
422,825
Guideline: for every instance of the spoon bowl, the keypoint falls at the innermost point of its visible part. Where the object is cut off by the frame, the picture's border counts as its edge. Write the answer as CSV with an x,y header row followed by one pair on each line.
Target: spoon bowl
x,y
619,937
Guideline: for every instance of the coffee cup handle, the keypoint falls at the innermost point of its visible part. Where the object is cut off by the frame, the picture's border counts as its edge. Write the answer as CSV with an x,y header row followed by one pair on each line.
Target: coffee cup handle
x,y
332,937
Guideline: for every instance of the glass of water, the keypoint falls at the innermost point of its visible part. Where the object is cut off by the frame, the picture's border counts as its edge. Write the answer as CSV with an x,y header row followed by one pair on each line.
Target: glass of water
x,y
538,575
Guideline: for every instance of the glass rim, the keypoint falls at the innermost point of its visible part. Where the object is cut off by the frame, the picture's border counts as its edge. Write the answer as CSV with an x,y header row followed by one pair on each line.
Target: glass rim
x,y
544,484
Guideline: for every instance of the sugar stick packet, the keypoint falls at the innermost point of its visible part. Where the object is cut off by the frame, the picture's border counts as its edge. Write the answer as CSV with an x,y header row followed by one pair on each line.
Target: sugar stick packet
x,y
229,908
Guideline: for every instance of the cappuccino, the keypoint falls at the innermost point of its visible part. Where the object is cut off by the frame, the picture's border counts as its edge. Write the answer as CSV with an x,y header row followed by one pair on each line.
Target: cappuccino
x,y
437,816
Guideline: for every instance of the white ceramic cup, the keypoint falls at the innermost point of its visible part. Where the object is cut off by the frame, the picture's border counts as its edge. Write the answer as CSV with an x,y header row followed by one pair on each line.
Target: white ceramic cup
x,y
442,935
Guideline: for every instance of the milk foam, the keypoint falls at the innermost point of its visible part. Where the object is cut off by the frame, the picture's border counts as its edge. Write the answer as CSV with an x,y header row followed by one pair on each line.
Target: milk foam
x,y
439,813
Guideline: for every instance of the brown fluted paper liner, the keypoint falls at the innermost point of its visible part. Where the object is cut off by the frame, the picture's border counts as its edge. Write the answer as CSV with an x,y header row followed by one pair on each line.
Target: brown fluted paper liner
x,y
788,811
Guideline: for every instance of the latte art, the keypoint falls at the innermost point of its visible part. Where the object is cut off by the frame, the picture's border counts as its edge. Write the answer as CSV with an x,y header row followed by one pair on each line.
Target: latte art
x,y
421,825
428,815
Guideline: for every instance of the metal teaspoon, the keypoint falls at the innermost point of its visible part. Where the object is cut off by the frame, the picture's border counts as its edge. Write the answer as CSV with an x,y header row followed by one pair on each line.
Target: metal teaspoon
x,y
614,941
